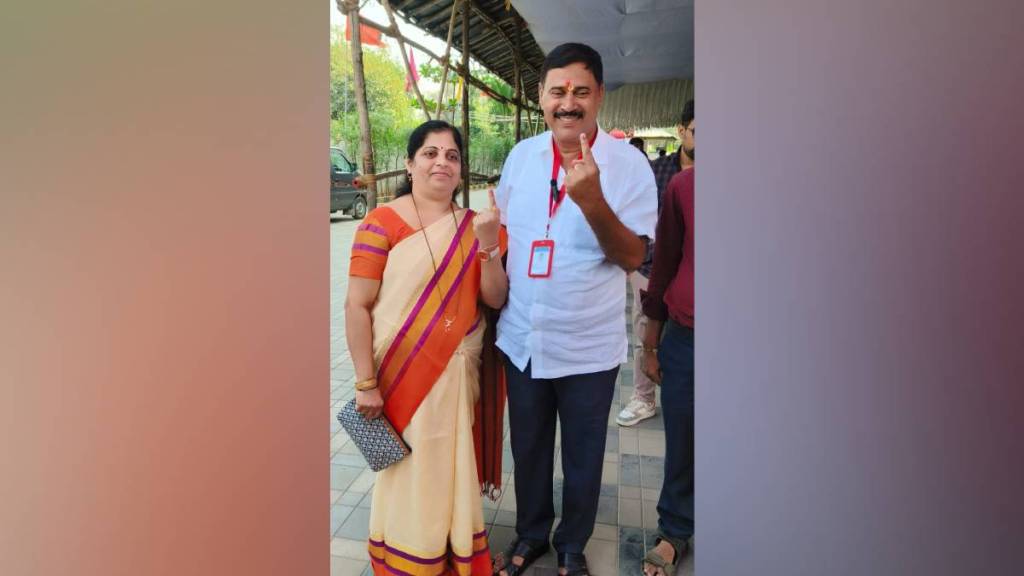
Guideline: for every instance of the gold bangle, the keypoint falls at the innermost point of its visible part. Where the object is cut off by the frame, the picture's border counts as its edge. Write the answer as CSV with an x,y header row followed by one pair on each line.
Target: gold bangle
x,y
368,384
650,348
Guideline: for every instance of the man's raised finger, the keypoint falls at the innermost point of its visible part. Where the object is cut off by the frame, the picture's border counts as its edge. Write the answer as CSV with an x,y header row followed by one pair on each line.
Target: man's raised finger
x,y
588,157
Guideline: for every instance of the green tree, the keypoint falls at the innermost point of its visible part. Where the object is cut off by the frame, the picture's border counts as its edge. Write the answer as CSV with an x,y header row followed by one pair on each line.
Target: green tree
x,y
492,130
394,113
391,116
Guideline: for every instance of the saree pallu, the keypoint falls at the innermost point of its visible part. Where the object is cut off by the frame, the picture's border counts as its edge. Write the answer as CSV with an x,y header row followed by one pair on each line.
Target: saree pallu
x,y
426,516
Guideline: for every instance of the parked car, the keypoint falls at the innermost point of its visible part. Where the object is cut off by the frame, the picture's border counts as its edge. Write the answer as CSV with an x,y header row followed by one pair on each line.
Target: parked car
x,y
345,196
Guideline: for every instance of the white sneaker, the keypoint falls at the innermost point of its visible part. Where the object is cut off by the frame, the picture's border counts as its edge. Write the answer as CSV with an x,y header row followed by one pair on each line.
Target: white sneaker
x,y
635,411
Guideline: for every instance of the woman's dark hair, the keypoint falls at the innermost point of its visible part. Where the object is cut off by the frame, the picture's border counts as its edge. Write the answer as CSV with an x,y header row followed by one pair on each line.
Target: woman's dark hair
x,y
416,140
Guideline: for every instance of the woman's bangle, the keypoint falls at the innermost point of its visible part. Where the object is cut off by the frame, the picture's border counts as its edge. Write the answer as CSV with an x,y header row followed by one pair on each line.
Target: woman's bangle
x,y
368,384
650,348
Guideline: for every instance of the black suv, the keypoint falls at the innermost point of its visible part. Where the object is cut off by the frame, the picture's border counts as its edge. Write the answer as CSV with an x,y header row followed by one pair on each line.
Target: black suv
x,y
344,194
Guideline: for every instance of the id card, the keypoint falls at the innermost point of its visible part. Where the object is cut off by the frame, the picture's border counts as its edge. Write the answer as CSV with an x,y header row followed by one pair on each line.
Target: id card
x,y
541,252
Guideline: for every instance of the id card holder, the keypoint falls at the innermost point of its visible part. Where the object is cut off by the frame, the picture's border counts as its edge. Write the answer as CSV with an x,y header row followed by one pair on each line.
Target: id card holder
x,y
541,253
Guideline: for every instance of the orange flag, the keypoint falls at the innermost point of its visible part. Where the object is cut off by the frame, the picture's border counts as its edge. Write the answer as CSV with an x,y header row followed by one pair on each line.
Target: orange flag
x,y
367,36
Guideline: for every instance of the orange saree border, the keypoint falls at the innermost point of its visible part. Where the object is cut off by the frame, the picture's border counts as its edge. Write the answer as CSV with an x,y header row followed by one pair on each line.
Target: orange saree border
x,y
388,560
421,349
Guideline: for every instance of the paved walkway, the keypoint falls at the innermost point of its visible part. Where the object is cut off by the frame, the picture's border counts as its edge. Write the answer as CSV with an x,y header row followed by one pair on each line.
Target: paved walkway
x,y
626,517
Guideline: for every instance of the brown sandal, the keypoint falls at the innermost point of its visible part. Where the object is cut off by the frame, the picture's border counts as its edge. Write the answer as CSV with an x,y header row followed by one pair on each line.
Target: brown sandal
x,y
680,547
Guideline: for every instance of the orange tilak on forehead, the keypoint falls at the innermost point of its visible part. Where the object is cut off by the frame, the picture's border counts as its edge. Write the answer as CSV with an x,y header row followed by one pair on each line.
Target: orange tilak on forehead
x,y
568,86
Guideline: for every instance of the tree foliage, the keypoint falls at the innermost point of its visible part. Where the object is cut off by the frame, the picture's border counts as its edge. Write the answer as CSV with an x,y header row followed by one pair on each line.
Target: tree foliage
x,y
391,116
395,113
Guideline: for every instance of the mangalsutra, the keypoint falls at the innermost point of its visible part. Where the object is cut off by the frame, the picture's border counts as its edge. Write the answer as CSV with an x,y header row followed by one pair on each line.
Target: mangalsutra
x,y
449,320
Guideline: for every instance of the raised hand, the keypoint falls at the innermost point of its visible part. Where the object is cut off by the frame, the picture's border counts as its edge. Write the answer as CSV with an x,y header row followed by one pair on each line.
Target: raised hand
x,y
583,179
487,223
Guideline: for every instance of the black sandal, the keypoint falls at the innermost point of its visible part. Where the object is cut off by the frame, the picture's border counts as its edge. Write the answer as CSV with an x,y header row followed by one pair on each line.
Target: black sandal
x,y
528,550
575,564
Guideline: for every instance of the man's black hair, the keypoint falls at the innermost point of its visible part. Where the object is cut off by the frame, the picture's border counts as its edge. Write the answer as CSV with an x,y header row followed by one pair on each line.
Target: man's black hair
x,y
687,115
572,53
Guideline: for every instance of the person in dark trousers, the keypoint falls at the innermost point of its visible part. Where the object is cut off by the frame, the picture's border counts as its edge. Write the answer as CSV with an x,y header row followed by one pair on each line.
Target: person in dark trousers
x,y
668,361
641,403
579,206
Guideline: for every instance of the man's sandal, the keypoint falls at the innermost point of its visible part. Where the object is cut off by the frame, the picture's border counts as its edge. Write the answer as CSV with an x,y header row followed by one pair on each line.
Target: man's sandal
x,y
575,564
679,546
528,550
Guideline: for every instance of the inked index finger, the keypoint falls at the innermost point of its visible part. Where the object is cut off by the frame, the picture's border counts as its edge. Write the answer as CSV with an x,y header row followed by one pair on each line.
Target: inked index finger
x,y
585,148
490,193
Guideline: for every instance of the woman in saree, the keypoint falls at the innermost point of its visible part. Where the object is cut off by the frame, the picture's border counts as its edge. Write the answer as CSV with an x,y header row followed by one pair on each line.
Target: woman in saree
x,y
420,268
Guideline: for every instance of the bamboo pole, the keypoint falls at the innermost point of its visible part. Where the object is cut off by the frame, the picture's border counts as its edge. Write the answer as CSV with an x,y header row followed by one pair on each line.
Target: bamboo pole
x,y
519,88
447,54
529,116
351,8
465,103
405,57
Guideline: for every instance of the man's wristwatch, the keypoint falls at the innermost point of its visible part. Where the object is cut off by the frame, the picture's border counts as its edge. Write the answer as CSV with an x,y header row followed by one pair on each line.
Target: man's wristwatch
x,y
486,254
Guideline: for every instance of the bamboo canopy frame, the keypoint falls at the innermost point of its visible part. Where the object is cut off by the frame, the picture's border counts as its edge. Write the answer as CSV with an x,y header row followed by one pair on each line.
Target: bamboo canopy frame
x,y
447,53
405,57
457,67
495,34
521,68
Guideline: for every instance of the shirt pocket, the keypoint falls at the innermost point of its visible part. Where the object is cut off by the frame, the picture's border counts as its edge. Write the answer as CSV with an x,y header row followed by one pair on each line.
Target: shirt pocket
x,y
579,236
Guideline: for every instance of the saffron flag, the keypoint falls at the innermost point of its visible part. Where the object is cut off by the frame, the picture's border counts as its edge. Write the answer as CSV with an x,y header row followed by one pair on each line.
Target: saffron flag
x,y
412,76
367,36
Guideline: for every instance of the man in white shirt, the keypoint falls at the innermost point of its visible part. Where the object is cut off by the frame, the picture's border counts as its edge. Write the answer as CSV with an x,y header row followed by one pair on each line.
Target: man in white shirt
x,y
580,207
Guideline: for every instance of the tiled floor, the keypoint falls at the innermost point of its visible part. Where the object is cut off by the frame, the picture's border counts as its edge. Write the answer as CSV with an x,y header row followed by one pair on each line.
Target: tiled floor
x,y
626,518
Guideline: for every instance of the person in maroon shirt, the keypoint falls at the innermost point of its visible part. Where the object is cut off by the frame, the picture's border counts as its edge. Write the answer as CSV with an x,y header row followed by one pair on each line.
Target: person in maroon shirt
x,y
668,304
641,402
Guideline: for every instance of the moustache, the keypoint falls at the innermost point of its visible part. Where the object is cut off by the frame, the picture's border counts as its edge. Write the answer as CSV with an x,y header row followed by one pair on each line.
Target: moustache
x,y
577,114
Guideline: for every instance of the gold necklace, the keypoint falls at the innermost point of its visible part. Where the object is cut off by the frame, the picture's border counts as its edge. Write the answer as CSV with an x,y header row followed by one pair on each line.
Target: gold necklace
x,y
449,321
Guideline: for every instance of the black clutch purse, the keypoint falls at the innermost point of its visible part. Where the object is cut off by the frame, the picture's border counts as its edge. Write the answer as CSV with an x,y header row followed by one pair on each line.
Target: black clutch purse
x,y
376,439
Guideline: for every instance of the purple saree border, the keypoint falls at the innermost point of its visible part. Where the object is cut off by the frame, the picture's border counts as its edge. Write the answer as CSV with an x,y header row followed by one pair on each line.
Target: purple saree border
x,y
407,556
368,248
433,321
456,240
372,228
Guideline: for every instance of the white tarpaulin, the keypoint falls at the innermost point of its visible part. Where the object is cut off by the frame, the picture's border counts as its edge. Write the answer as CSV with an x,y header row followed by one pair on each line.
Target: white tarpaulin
x,y
640,41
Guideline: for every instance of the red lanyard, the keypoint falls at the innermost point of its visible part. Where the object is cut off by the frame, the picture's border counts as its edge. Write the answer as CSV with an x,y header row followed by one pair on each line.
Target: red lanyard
x,y
558,194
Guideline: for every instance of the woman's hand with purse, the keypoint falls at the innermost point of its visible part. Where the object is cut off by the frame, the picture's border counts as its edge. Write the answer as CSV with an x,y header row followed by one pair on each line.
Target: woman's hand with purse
x,y
369,403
